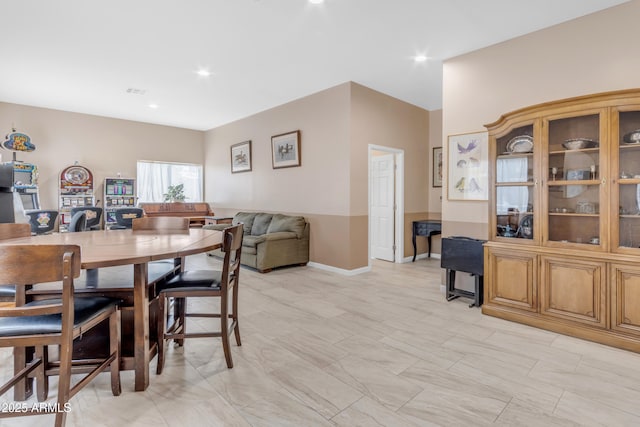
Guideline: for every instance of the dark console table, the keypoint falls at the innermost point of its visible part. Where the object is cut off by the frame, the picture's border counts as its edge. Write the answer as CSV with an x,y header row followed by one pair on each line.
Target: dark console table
x,y
428,228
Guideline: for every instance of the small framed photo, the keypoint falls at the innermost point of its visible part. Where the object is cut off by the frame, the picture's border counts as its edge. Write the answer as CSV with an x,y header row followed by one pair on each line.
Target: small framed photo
x,y
241,157
437,167
285,150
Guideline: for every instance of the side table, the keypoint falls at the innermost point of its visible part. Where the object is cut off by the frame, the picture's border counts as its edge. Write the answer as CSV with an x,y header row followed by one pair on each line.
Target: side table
x,y
428,228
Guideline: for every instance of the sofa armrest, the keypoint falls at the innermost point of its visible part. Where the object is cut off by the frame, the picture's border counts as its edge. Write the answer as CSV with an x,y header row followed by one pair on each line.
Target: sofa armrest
x,y
280,235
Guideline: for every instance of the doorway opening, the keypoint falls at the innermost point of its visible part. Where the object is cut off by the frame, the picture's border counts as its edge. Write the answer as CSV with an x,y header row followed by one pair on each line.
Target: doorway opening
x,y
386,203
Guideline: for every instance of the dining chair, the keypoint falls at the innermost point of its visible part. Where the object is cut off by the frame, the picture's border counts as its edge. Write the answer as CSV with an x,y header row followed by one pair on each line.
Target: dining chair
x,y
78,222
94,215
42,221
10,231
56,322
125,216
205,283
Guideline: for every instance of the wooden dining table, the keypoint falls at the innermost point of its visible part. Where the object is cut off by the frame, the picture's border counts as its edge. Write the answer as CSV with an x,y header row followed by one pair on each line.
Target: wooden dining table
x,y
101,249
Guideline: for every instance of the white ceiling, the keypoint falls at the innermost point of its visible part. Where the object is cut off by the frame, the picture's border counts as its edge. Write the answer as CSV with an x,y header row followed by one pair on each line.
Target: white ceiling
x,y
83,55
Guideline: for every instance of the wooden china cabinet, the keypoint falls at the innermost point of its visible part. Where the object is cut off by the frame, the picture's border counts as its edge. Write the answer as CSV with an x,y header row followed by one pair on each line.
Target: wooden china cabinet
x,y
564,246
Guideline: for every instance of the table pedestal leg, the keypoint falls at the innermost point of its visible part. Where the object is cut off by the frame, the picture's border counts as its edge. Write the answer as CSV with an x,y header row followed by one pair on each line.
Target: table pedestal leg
x,y
141,326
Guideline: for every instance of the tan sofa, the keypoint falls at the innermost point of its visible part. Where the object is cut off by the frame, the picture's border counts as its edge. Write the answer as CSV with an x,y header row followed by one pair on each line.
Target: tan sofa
x,y
270,240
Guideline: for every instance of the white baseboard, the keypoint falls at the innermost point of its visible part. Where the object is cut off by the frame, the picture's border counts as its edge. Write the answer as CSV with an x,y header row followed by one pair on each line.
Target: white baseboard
x,y
339,270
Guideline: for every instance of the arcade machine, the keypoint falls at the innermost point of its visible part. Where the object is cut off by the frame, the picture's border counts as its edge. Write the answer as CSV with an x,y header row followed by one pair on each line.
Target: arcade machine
x,y
7,212
76,189
118,193
25,175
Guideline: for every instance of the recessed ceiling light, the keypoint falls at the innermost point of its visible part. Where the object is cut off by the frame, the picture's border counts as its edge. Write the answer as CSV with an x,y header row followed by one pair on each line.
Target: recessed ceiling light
x,y
154,106
316,1
420,58
203,73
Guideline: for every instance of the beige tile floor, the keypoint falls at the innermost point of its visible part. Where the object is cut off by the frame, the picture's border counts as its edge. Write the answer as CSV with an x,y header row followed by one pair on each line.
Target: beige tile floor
x,y
379,349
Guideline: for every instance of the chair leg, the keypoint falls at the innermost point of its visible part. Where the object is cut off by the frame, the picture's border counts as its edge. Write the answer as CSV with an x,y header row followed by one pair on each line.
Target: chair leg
x,y
181,304
236,329
64,382
224,329
24,388
225,344
42,380
160,325
114,347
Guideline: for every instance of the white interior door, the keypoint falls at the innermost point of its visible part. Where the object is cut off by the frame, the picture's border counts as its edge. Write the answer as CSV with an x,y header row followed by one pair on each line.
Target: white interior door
x,y
382,207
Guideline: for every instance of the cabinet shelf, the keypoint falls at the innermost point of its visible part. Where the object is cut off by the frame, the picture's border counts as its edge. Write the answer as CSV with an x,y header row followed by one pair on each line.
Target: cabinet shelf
x,y
581,150
574,214
624,146
515,184
514,155
563,182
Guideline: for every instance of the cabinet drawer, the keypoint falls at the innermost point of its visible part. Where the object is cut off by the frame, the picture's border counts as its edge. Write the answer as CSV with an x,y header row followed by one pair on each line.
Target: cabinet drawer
x,y
574,289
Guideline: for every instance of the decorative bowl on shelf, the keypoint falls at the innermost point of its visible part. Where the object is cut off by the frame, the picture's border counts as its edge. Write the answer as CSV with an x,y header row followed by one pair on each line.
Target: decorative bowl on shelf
x,y
520,144
579,143
632,137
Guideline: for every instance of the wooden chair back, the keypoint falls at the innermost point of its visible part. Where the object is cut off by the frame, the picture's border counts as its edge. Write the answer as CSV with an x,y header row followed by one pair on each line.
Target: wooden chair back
x,y
161,223
31,264
12,230
232,248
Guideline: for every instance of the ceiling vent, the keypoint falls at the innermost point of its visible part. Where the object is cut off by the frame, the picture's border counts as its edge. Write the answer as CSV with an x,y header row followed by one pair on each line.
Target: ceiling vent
x,y
135,91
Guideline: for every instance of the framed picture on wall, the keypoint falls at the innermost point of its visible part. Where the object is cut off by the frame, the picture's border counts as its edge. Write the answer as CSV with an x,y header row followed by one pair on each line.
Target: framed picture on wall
x,y
285,150
437,167
468,166
241,157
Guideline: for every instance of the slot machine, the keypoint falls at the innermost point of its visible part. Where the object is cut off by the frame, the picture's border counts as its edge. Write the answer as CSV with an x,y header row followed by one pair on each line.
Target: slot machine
x,y
75,190
25,175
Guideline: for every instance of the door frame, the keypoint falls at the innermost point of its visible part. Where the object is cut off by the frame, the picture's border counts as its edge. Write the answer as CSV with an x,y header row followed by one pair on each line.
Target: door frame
x,y
399,200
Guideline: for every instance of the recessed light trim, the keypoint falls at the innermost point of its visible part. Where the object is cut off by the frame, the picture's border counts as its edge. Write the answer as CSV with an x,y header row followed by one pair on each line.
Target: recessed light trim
x,y
420,58
203,73
153,106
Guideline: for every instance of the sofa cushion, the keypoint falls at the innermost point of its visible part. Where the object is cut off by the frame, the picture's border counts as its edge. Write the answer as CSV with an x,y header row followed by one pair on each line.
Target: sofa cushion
x,y
281,222
246,218
260,224
252,241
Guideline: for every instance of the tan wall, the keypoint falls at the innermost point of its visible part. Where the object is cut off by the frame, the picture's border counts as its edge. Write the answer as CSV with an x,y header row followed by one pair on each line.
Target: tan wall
x,y
318,186
378,119
103,145
331,187
591,54
435,140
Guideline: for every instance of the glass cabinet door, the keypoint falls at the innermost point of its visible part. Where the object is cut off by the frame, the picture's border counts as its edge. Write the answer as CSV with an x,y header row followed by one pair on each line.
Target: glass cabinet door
x,y
514,181
574,188
628,189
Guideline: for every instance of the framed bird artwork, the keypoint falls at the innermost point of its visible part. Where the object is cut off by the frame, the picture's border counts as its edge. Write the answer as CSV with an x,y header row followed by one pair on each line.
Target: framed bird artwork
x,y
468,166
